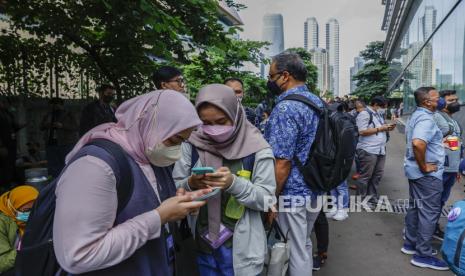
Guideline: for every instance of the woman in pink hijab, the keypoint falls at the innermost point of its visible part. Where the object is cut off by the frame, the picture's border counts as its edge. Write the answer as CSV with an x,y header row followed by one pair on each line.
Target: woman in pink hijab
x,y
229,234
91,234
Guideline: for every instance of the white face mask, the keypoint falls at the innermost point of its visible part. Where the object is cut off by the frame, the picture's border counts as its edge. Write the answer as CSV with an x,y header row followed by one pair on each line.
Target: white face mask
x,y
163,156
382,111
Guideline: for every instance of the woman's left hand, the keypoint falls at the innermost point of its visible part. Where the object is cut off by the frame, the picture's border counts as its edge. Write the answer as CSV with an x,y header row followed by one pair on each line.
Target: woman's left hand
x,y
222,178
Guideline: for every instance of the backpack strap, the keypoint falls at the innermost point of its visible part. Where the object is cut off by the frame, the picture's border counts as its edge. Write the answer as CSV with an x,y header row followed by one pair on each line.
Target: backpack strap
x,y
306,101
371,117
194,155
121,169
248,162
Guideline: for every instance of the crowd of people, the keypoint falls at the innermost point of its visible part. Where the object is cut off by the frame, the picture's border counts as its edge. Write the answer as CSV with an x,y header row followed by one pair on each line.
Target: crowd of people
x,y
134,183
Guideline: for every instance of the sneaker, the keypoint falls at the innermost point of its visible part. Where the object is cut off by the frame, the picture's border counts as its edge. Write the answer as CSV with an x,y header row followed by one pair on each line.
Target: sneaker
x,y
331,213
429,262
410,250
316,263
341,215
438,234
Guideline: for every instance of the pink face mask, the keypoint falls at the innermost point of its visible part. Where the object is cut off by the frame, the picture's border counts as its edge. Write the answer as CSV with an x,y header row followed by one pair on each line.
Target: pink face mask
x,y
218,133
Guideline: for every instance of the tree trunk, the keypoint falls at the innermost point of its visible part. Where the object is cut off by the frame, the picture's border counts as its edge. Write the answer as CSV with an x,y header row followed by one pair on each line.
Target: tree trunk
x,y
24,67
57,77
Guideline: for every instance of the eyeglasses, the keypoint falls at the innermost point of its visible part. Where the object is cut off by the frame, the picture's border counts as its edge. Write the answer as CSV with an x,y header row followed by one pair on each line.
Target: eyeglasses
x,y
270,77
180,81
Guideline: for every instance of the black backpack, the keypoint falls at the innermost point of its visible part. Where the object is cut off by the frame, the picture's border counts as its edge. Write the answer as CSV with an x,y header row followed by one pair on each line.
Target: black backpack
x,y
333,150
37,256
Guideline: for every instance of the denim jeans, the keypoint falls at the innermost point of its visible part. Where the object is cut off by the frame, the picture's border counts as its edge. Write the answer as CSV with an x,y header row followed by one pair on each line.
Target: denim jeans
x,y
448,180
341,193
219,263
423,213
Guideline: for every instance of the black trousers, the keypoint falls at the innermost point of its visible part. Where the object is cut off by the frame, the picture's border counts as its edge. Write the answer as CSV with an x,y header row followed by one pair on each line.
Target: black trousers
x,y
321,228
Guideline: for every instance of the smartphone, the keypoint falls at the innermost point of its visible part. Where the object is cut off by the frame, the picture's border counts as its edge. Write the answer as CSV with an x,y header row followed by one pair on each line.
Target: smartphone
x,y
207,196
202,170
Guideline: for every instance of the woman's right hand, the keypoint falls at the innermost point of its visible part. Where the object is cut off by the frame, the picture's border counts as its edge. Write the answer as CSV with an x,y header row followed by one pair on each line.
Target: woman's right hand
x,y
178,207
197,182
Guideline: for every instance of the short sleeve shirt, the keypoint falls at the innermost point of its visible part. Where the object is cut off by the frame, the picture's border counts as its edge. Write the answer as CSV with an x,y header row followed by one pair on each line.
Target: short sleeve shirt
x,y
376,143
421,125
290,131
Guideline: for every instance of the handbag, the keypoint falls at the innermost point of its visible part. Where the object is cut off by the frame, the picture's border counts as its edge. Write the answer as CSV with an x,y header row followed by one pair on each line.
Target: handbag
x,y
277,257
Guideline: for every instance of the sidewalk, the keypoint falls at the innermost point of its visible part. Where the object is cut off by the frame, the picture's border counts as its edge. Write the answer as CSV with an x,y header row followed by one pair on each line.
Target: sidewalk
x,y
370,243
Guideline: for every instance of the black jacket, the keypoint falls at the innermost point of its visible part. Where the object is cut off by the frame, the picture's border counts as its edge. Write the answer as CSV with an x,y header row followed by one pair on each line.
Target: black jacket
x,y
95,114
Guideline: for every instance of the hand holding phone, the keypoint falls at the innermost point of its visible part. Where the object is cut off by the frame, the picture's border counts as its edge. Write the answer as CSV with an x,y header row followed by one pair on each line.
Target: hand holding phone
x,y
202,170
213,193
196,180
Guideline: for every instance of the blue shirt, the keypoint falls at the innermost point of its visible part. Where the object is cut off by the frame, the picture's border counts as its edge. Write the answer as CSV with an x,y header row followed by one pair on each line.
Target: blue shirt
x,y
421,125
290,131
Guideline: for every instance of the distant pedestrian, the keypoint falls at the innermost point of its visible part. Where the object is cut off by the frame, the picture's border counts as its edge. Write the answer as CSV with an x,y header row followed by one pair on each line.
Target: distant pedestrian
x,y
371,148
169,77
100,111
60,134
8,143
451,131
238,86
424,168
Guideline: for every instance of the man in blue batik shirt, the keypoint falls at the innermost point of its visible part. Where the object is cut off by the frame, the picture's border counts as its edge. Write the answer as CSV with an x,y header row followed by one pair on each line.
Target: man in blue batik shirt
x,y
290,131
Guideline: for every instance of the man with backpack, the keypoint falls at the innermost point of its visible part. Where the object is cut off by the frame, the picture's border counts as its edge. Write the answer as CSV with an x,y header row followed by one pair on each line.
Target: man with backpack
x,y
371,148
451,131
290,131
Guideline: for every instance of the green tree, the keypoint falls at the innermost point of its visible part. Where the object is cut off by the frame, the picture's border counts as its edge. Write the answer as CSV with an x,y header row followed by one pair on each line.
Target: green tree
x,y
120,41
373,78
312,77
216,64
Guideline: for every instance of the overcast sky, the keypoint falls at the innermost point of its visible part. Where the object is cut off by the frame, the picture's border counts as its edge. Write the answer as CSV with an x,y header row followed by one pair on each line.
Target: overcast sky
x,y
359,23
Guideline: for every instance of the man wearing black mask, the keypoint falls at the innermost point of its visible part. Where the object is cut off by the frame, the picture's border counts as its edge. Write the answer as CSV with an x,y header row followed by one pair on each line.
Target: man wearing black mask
x,y
290,131
452,133
99,111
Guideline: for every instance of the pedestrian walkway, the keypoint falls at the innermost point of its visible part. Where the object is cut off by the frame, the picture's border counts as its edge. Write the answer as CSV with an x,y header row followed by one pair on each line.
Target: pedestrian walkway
x,y
369,243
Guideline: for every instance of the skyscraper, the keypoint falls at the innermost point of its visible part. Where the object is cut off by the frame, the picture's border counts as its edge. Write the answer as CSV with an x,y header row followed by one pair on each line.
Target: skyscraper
x,y
427,23
332,47
358,64
311,33
320,60
273,32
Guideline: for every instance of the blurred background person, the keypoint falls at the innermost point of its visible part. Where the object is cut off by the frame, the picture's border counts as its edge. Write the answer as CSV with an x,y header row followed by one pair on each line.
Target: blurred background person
x,y
15,206
60,134
169,77
100,111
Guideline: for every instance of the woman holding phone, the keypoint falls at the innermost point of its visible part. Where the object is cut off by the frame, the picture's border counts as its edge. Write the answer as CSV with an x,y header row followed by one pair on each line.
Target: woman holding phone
x,y
230,154
90,233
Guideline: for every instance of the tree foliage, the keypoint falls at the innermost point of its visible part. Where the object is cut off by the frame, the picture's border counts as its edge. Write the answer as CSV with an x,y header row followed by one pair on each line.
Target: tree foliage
x,y
373,78
118,41
217,64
